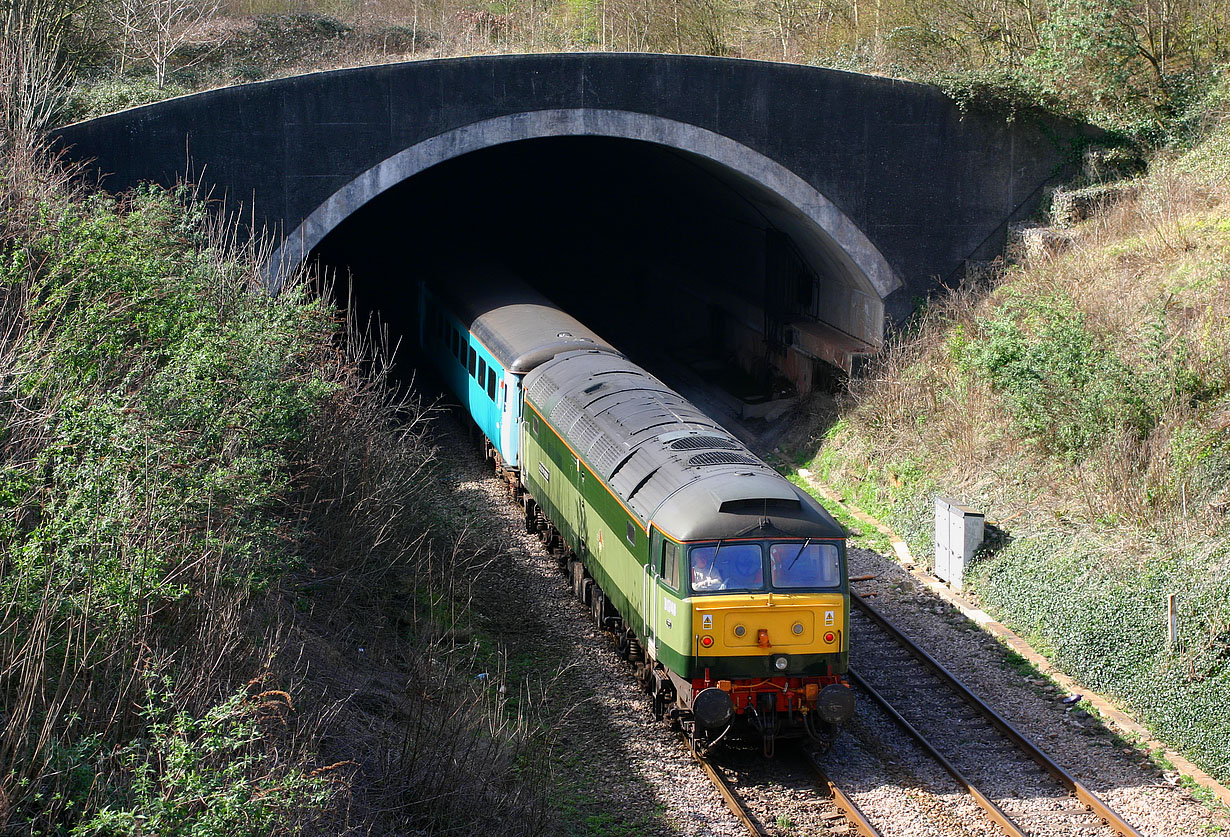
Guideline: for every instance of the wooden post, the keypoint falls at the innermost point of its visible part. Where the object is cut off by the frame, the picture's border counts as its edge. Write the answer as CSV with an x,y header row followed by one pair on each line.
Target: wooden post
x,y
1173,619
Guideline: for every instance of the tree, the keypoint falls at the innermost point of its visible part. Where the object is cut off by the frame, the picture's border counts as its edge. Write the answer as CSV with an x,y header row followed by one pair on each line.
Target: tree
x,y
156,29
34,70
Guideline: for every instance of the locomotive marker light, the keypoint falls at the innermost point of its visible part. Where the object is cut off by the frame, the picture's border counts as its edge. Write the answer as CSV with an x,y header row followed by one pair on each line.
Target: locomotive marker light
x,y
740,630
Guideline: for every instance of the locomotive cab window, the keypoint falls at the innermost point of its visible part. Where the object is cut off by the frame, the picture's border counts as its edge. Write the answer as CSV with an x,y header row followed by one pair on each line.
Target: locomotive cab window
x,y
804,564
727,567
669,568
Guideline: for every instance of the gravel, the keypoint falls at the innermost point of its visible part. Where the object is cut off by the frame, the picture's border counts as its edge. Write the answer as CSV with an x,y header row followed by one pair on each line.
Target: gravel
x,y
1119,774
618,771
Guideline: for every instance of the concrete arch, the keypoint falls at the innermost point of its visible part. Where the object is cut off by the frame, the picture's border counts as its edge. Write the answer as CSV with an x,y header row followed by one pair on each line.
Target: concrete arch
x,y
861,264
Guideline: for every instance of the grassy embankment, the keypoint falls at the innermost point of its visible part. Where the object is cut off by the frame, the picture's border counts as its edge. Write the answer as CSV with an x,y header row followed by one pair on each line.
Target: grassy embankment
x,y
228,601
1083,402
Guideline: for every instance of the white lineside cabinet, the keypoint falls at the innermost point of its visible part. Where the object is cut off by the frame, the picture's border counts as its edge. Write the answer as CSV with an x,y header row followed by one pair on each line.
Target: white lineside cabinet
x,y
958,534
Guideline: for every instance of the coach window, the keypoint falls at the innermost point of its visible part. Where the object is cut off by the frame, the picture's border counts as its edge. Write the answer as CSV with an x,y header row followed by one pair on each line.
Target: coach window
x,y
482,372
490,383
456,344
631,533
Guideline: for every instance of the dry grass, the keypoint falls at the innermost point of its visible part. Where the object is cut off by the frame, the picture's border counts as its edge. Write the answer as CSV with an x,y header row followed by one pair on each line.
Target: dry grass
x,y
1149,278
358,664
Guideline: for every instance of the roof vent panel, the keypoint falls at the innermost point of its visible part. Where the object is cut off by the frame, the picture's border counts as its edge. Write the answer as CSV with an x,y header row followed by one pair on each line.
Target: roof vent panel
x,y
704,443
720,457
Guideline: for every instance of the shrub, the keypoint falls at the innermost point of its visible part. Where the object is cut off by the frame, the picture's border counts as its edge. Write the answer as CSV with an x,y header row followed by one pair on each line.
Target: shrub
x,y
212,775
1066,388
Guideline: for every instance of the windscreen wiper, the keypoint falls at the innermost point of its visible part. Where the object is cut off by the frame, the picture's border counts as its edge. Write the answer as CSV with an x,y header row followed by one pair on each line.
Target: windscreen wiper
x,y
797,554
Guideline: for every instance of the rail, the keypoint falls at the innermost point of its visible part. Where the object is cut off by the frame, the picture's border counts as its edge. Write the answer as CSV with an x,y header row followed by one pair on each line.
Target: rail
x,y
729,796
1082,793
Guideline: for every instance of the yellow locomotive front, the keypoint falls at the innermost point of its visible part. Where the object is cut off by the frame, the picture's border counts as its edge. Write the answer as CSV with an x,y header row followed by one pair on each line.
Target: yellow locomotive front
x,y
769,648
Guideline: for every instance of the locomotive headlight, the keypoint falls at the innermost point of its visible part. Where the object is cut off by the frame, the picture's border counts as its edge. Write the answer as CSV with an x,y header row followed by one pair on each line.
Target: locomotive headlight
x,y
740,630
798,628
780,663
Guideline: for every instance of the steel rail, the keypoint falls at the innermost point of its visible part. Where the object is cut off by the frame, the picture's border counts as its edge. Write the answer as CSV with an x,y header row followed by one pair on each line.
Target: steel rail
x,y
1086,796
729,796
997,814
853,814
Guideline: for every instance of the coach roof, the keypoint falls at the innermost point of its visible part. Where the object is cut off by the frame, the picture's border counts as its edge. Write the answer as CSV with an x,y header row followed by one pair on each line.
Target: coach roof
x,y
519,326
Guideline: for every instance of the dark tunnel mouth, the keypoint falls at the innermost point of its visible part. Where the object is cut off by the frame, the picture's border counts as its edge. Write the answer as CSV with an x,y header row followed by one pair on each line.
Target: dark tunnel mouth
x,y
577,213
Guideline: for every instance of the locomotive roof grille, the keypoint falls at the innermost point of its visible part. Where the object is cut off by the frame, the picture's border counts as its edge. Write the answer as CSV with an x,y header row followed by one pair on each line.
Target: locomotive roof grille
x,y
718,457
704,443
653,449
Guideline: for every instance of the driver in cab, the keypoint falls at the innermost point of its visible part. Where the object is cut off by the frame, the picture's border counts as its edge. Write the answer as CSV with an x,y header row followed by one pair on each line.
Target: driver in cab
x,y
732,568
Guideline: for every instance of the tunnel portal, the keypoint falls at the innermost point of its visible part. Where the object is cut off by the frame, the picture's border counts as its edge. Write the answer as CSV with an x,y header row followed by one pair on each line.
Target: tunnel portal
x,y
778,215
664,252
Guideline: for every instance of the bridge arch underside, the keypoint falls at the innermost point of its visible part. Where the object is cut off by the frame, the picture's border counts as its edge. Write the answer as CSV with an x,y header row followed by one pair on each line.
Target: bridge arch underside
x,y
666,252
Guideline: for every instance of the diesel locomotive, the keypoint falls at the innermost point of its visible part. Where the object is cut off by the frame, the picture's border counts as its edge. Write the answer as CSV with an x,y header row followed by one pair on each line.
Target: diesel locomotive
x,y
725,584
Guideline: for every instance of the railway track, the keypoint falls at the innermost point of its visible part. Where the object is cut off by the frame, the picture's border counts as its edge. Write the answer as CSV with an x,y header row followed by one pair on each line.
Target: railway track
x,y
837,809
1021,790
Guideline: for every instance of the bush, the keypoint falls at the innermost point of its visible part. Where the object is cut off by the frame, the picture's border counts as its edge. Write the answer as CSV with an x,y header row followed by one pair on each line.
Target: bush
x,y
213,775
91,98
1066,388
198,482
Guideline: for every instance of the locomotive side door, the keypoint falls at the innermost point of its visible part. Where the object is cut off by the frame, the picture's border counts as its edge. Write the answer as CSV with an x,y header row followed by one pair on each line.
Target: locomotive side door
x,y
652,594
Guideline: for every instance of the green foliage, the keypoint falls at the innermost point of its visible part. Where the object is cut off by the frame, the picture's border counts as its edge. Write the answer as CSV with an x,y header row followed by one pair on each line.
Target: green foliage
x,y
1104,622
152,414
1066,388
172,397
89,98
213,776
1092,42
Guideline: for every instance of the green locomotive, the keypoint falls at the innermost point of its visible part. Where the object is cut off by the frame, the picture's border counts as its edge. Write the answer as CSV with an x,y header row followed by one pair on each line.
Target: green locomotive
x,y
725,584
